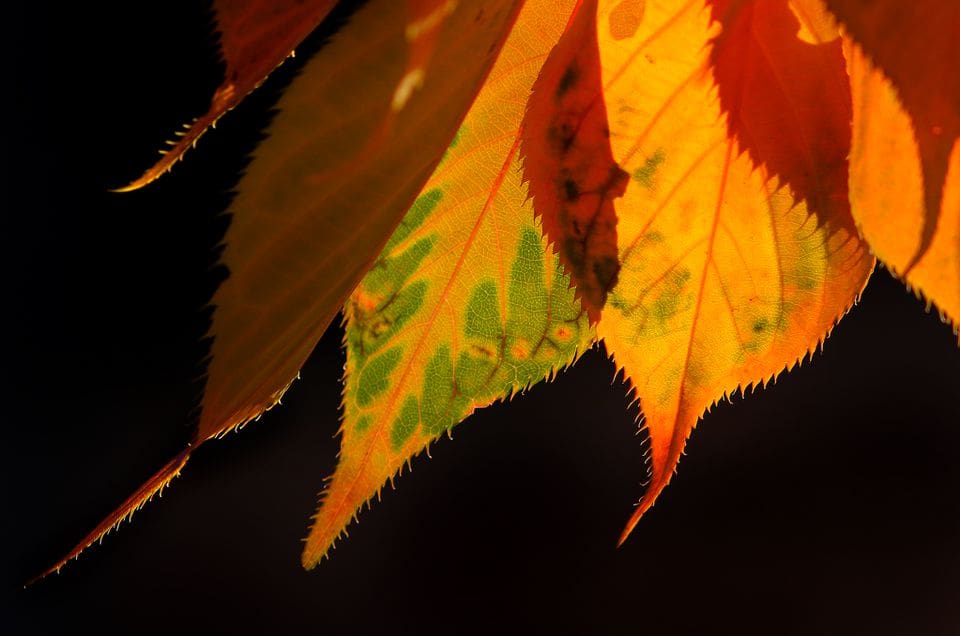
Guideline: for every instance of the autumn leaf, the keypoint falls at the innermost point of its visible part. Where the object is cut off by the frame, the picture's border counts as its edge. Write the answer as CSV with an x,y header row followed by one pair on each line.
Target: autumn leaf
x,y
306,224
568,163
905,162
726,277
256,36
782,83
378,104
692,165
462,308
729,276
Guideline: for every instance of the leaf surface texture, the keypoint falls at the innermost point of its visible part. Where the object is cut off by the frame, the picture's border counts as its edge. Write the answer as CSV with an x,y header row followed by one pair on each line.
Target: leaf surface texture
x,y
905,161
354,138
463,307
726,278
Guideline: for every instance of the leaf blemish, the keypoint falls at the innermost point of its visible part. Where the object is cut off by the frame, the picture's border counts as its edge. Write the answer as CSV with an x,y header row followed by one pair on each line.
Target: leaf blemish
x,y
561,135
606,271
567,81
626,17
646,174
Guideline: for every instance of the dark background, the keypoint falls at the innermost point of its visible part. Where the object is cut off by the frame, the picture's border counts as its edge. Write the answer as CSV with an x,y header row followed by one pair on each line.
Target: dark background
x,y
826,503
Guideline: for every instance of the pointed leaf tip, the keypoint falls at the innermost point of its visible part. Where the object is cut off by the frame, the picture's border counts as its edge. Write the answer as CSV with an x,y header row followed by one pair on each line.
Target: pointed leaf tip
x,y
256,36
465,306
726,277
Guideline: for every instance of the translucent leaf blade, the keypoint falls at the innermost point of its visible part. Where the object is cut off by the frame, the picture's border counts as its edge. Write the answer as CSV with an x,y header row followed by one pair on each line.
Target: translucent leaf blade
x,y
307,220
256,36
725,280
905,160
568,162
463,307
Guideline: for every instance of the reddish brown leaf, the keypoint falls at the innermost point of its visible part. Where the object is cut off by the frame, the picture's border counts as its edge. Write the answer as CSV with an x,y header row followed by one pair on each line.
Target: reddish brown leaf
x,y
255,37
568,162
354,138
787,99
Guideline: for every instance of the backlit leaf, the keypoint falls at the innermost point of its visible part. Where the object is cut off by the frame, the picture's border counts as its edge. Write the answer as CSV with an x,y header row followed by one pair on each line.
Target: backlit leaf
x,y
463,307
255,37
725,279
355,137
307,221
905,162
783,86
568,163
711,176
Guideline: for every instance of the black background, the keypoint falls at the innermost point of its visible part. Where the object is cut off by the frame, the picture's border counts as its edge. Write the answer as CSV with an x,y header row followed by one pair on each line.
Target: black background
x,y
823,504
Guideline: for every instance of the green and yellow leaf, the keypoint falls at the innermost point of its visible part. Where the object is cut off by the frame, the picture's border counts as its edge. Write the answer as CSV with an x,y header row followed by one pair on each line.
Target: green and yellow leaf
x,y
330,183
463,307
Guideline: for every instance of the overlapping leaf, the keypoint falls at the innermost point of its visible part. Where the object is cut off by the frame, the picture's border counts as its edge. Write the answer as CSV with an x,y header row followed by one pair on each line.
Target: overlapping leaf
x,y
905,163
568,163
355,136
463,307
725,279
688,160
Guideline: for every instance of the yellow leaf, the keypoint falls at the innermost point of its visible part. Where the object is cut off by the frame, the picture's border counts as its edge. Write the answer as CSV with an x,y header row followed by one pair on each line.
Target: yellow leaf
x,y
725,279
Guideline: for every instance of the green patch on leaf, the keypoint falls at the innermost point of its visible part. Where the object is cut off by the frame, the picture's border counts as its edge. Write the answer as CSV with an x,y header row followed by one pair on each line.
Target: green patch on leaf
x,y
425,204
363,423
375,376
443,404
483,313
527,300
371,327
406,423
670,300
646,174
390,274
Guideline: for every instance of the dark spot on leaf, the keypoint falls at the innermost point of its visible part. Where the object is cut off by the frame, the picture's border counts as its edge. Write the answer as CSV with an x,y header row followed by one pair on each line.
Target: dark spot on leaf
x,y
607,271
573,249
561,135
570,190
760,325
646,174
567,81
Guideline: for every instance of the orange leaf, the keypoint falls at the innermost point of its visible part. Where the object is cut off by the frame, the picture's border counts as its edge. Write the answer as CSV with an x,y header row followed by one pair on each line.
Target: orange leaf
x,y
913,44
905,161
726,279
567,160
256,36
